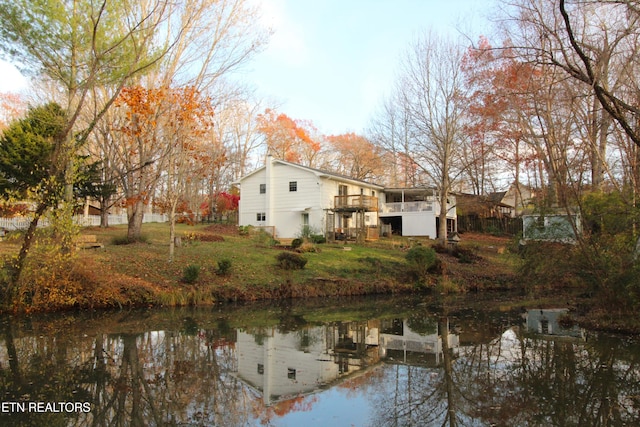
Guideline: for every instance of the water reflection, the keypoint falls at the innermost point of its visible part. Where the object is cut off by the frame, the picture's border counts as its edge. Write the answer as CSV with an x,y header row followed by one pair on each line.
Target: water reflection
x,y
367,362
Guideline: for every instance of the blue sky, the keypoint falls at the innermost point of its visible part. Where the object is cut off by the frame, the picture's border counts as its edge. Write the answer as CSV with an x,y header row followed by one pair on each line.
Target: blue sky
x,y
333,61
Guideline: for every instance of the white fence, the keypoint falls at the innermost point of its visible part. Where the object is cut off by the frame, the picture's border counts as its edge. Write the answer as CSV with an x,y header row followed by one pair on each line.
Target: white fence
x,y
84,221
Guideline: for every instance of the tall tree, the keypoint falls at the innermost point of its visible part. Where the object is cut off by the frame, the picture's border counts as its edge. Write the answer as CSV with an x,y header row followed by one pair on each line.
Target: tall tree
x,y
141,149
32,166
389,129
433,91
186,132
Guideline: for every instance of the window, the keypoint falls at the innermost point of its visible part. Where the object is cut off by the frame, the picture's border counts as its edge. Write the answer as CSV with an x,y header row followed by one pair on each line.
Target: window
x,y
260,368
291,373
261,216
293,185
305,219
263,188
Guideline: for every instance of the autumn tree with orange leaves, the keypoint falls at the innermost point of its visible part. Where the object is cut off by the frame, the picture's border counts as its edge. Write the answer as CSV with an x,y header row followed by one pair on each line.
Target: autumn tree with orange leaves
x,y
159,136
186,131
289,139
355,156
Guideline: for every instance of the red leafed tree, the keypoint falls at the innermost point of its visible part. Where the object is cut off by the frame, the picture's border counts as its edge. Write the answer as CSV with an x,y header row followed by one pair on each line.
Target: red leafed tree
x,y
289,139
498,107
356,156
226,202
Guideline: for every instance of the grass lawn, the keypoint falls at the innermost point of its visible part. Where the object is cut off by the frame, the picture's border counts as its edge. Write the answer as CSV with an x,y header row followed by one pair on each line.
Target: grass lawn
x,y
140,273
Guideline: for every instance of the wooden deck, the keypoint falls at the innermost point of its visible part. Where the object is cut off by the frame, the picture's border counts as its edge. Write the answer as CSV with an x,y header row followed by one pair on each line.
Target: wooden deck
x,y
354,203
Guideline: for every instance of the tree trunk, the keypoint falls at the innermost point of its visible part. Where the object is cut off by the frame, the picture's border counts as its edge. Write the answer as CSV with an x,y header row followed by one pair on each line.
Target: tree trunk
x,y
172,232
104,212
24,250
443,325
104,218
135,213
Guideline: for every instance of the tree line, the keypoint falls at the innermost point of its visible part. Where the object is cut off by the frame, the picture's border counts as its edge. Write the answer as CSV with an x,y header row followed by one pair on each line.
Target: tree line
x,y
151,113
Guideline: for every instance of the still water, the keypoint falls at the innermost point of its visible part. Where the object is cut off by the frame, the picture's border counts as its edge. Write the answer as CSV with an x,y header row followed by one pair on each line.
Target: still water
x,y
348,362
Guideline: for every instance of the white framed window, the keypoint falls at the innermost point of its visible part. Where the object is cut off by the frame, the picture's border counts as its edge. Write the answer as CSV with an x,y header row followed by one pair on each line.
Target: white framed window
x,y
261,216
293,185
263,188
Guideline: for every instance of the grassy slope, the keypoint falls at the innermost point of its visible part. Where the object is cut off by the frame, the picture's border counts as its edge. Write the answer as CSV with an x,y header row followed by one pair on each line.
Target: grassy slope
x,y
140,274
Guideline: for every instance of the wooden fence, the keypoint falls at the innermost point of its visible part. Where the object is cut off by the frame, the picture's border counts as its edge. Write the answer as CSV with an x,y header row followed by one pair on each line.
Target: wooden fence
x,y
509,226
22,223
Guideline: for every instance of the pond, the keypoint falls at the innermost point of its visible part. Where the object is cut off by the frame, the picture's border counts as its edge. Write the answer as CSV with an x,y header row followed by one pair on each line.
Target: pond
x,y
382,361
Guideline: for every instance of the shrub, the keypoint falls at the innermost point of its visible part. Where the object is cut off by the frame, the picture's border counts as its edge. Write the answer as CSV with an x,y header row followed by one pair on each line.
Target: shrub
x,y
124,240
317,238
291,261
224,265
296,243
307,247
190,273
264,239
421,259
244,230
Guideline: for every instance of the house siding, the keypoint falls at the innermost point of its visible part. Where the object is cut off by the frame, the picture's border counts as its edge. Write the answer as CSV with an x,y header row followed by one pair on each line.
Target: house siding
x,y
315,196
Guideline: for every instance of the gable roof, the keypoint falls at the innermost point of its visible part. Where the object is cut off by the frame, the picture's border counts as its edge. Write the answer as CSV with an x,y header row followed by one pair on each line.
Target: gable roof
x,y
318,172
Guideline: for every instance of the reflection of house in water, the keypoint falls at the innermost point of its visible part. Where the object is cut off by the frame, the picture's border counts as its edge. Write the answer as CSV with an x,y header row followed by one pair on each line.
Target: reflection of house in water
x,y
285,364
282,365
400,343
547,322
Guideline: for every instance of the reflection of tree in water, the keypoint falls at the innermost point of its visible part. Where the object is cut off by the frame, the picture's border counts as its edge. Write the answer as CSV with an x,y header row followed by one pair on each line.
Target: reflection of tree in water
x,y
131,379
37,371
419,395
170,378
515,380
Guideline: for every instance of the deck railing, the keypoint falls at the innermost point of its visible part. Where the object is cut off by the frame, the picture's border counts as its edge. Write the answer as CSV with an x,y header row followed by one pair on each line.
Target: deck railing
x,y
357,201
407,207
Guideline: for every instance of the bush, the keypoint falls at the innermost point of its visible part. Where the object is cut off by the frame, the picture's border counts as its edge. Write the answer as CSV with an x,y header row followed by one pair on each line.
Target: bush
x,y
224,265
291,261
307,247
421,259
317,238
244,230
296,243
190,273
264,239
124,240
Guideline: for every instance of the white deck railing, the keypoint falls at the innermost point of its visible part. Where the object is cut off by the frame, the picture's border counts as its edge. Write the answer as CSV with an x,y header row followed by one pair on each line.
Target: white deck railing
x,y
407,207
21,223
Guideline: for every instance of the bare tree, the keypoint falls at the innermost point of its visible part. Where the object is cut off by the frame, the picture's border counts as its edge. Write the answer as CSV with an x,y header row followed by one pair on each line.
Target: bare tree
x,y
433,89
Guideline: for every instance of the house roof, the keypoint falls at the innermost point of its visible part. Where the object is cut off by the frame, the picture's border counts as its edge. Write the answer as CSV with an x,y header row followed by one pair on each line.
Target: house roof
x,y
496,197
318,172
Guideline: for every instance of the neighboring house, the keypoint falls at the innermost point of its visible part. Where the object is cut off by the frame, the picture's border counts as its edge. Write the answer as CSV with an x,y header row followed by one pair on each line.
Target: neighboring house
x,y
290,200
490,206
519,197
513,202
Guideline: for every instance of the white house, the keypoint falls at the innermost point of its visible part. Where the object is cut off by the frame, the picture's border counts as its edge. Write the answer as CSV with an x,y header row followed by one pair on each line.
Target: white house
x,y
287,199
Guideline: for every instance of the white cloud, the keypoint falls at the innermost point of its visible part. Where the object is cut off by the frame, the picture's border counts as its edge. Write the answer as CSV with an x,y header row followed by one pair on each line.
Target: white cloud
x,y
10,78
